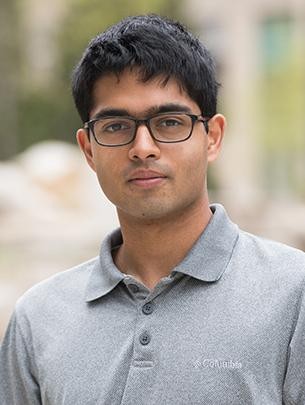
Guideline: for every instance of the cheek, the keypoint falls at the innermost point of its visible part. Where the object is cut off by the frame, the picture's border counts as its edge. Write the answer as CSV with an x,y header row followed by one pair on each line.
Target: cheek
x,y
106,171
194,162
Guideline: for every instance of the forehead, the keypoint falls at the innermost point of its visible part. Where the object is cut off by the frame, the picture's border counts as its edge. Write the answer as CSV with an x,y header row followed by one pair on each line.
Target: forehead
x,y
127,91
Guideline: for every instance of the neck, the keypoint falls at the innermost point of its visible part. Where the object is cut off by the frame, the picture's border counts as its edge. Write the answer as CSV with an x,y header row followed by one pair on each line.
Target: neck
x,y
151,249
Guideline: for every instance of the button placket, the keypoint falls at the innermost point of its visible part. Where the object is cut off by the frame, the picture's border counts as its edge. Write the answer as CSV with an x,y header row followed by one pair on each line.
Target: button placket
x,y
148,308
134,288
144,338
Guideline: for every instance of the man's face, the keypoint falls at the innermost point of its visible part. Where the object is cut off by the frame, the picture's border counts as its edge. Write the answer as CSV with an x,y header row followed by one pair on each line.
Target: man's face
x,y
146,179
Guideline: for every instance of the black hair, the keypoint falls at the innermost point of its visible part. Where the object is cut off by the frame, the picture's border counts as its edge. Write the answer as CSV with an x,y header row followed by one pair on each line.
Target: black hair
x,y
155,45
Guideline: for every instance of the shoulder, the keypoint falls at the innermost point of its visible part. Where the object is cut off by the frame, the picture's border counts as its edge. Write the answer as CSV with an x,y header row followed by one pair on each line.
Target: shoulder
x,y
270,250
66,286
270,260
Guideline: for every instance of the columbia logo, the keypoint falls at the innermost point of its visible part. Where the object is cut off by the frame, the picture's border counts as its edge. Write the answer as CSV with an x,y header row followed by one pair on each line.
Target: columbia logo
x,y
217,363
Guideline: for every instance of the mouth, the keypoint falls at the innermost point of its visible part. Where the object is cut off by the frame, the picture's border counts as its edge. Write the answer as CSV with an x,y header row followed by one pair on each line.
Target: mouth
x,y
146,178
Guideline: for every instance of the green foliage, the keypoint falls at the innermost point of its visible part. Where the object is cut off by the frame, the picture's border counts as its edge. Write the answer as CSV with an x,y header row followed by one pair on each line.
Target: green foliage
x,y
46,115
9,74
282,126
282,106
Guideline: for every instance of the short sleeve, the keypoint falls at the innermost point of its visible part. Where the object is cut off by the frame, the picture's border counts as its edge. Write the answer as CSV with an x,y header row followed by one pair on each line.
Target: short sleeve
x,y
18,385
294,384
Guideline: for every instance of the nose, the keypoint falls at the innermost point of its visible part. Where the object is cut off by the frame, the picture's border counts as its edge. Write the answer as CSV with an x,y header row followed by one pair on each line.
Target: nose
x,y
144,146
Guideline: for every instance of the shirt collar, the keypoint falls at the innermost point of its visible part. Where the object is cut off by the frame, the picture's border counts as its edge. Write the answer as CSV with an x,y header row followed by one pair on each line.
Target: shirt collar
x,y
211,254
105,275
206,261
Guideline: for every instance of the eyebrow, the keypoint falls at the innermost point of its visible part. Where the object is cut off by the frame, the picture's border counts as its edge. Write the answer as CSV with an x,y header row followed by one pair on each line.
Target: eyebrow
x,y
163,108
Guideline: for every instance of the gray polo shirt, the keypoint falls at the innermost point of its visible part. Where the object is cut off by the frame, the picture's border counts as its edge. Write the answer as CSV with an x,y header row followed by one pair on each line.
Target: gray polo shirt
x,y
225,327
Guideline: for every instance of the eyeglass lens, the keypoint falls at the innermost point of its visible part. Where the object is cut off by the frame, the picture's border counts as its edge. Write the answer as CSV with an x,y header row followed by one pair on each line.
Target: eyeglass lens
x,y
120,130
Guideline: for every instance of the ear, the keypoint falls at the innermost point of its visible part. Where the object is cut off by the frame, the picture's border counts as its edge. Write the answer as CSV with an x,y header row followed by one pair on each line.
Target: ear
x,y
217,125
85,145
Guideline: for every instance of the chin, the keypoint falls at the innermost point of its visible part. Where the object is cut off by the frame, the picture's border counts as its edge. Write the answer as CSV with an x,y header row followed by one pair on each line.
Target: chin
x,y
153,213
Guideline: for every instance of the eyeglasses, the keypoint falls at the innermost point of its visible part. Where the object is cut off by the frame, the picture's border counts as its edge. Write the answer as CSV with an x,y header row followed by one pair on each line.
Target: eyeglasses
x,y
168,127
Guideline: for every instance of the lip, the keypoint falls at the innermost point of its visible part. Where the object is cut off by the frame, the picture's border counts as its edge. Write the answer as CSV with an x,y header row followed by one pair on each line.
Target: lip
x,y
146,178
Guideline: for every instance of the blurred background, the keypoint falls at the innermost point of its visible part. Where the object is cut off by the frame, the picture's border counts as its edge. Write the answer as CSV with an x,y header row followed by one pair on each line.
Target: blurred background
x,y
52,212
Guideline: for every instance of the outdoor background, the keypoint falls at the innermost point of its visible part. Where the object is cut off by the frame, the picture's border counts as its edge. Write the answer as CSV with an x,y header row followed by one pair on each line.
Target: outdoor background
x,y
52,213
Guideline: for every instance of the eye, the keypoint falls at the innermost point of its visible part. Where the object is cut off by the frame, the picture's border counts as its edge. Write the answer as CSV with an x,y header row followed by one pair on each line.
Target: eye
x,y
169,122
112,126
115,127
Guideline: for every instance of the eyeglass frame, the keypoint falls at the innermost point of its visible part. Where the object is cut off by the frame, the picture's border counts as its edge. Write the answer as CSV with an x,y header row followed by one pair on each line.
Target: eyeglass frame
x,y
89,126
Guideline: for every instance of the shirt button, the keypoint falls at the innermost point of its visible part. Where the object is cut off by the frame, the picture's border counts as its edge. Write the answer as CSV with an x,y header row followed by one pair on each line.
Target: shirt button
x,y
148,308
144,338
133,288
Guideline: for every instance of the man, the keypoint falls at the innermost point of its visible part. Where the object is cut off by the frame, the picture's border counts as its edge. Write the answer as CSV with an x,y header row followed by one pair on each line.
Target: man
x,y
180,307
